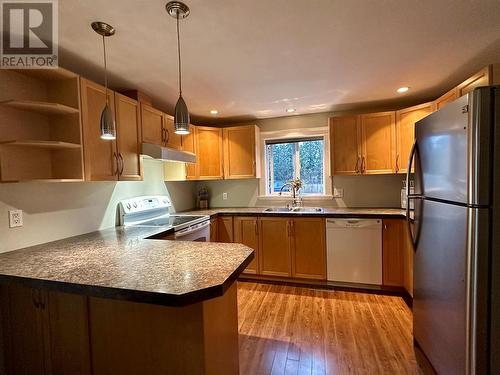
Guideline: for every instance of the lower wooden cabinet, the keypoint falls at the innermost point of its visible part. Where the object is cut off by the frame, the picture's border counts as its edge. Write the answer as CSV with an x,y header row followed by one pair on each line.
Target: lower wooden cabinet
x,y
275,246
213,229
393,243
225,229
44,332
307,237
246,231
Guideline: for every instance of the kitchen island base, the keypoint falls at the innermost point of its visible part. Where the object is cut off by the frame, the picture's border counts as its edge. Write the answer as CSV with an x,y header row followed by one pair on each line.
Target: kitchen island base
x,y
49,332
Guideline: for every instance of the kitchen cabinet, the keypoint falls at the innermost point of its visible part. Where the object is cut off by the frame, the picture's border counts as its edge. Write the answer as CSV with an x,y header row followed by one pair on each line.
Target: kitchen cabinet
x,y
209,153
101,161
275,246
444,99
225,229
241,152
44,332
378,137
171,139
108,160
308,249
246,231
393,243
481,78
213,230
345,149
408,259
189,144
152,125
128,138
405,132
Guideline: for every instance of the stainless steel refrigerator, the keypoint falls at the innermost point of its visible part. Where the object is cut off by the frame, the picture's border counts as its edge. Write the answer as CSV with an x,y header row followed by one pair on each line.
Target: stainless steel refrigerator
x,y
454,216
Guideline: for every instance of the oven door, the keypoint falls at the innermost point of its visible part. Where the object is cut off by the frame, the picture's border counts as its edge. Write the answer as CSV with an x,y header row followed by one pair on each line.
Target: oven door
x,y
198,232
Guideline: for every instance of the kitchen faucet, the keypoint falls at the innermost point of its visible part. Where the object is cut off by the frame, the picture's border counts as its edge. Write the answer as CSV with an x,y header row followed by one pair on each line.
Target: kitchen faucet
x,y
296,202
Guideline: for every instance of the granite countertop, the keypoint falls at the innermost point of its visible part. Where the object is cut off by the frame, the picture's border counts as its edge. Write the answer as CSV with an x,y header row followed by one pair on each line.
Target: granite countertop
x,y
327,212
121,263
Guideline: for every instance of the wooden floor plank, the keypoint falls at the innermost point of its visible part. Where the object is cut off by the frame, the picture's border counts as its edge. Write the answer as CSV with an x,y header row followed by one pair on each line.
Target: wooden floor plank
x,y
294,330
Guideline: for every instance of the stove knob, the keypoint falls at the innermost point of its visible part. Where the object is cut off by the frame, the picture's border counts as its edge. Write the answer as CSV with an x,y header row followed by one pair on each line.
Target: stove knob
x,y
135,205
128,206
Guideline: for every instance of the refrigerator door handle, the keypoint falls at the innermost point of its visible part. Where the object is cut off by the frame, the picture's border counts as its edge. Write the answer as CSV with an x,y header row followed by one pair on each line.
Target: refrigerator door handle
x,y
408,171
410,197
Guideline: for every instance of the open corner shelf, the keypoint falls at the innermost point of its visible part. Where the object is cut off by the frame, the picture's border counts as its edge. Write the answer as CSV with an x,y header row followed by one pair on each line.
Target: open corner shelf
x,y
41,144
44,108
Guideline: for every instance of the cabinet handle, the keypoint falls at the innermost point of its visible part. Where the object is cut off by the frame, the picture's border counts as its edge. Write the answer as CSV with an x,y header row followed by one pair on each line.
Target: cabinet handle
x,y
167,135
121,162
256,228
293,228
115,170
162,134
356,168
397,163
288,228
363,166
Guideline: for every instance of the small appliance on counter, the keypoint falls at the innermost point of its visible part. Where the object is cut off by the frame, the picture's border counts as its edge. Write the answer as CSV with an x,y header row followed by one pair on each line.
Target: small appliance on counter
x,y
203,198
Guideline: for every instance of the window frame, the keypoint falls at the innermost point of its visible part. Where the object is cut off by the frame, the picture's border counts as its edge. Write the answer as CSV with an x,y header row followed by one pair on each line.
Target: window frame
x,y
295,134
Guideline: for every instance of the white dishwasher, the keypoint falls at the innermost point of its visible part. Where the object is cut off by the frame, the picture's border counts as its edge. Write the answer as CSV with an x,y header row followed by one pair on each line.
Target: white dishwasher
x,y
354,250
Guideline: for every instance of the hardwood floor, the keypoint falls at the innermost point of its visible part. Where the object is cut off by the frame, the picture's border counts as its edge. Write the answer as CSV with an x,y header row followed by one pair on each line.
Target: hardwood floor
x,y
293,330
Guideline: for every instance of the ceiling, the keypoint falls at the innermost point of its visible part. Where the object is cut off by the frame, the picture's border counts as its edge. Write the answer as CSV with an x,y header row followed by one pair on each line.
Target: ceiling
x,y
255,58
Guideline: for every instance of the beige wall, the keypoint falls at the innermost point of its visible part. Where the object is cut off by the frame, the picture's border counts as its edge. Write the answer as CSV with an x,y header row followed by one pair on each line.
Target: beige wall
x,y
359,191
58,210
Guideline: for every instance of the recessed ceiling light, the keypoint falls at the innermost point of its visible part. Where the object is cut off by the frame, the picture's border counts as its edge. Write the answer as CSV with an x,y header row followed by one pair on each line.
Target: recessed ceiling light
x,y
214,112
290,110
403,89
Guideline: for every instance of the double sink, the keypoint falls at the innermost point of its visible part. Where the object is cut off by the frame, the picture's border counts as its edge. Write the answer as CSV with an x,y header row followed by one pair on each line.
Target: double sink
x,y
294,209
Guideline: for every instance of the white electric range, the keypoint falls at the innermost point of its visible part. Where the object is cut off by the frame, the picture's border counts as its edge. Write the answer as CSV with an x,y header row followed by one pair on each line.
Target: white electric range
x,y
155,211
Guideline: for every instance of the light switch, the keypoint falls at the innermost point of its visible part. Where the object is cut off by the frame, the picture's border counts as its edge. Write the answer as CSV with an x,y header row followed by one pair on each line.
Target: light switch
x,y
338,193
15,218
224,196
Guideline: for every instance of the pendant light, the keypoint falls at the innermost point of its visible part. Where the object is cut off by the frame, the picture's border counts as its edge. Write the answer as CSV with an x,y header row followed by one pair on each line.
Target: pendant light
x,y
108,124
179,11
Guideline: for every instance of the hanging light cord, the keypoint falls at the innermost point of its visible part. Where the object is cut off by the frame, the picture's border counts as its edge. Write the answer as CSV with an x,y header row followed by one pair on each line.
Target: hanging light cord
x,y
105,71
179,54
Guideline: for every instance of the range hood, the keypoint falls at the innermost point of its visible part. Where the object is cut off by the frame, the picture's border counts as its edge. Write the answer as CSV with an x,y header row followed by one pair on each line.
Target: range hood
x,y
169,154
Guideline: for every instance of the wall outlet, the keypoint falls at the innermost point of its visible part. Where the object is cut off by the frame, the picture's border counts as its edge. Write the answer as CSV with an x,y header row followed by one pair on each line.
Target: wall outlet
x,y
224,196
15,218
338,193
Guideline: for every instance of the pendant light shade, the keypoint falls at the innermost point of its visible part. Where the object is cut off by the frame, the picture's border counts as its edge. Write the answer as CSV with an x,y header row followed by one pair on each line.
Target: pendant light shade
x,y
108,124
179,10
181,117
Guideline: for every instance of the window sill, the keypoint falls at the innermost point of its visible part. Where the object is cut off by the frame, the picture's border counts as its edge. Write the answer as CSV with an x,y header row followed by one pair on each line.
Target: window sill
x,y
288,197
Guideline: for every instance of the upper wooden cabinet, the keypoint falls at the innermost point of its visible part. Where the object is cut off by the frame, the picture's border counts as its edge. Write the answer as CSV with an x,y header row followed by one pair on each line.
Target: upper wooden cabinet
x,y
107,160
172,139
128,138
308,249
241,152
405,132
189,144
489,75
345,145
444,99
246,231
209,153
378,136
152,125
101,158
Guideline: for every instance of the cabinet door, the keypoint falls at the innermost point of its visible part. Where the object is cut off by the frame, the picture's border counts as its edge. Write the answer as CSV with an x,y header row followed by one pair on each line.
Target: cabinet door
x,y
393,251
100,155
445,99
213,229
408,260
152,125
275,246
345,150
308,248
405,132
209,153
240,152
378,133
246,231
23,323
225,229
128,138
481,78
189,144
172,139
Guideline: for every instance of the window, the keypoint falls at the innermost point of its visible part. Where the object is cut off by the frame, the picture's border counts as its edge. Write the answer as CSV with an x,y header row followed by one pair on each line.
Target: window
x,y
296,158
